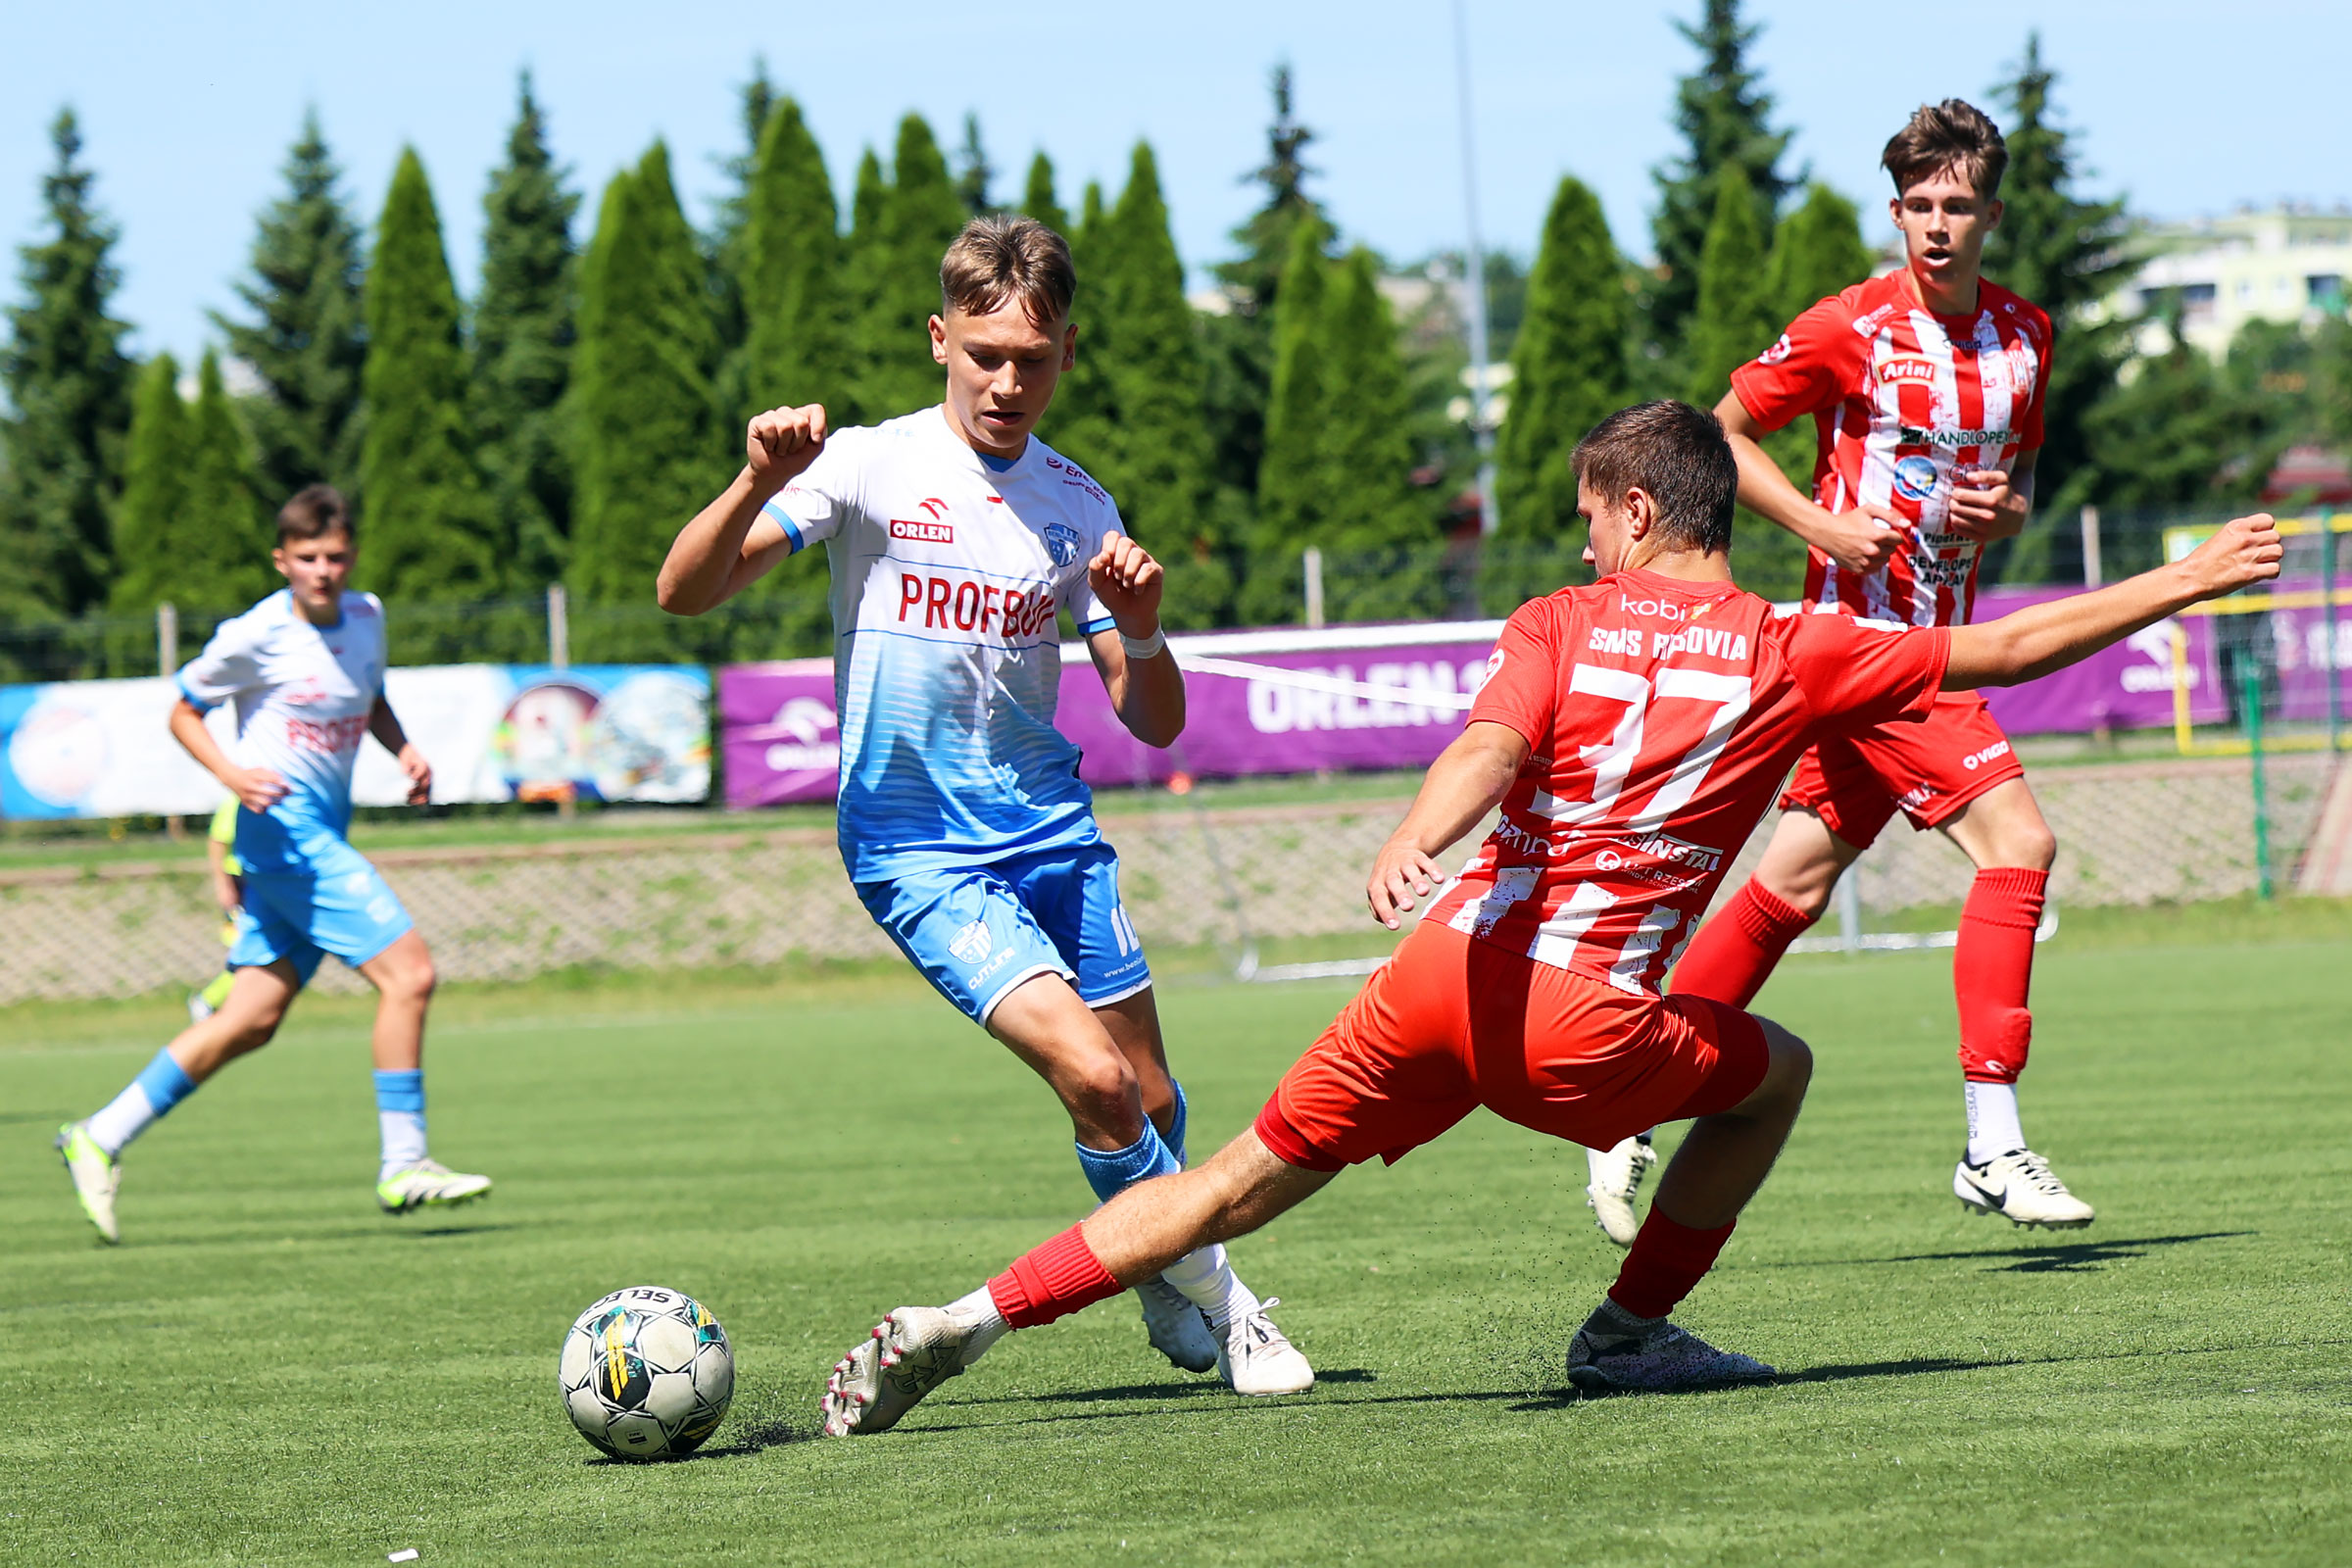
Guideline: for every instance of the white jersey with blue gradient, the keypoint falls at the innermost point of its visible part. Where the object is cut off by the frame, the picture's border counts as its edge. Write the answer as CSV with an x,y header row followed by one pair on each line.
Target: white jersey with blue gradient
x,y
302,695
949,572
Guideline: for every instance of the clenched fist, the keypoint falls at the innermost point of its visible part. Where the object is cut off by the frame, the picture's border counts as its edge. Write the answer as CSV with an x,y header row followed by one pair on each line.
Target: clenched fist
x,y
780,443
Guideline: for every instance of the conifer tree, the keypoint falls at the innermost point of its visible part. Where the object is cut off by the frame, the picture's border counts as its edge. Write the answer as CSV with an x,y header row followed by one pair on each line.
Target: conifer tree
x,y
791,281
920,218
69,383
1291,509
1568,369
864,257
429,522
1086,410
1734,322
1817,250
1724,116
756,101
1156,462
523,338
155,489
305,342
1734,319
1365,448
2059,251
1038,199
974,174
642,398
1267,236
221,542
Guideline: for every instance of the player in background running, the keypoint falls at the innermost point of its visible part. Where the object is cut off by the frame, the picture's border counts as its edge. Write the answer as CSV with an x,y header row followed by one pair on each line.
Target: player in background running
x,y
226,875
1926,387
956,539
1631,733
305,668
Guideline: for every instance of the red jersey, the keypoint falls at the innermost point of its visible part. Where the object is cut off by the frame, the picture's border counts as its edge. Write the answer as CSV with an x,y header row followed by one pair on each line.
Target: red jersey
x,y
1901,399
1661,716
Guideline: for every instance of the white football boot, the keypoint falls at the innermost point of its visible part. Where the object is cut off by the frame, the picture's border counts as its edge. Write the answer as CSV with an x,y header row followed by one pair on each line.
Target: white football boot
x,y
1178,1330
428,1183
910,1354
1617,1177
1664,1361
96,1174
1257,1357
2020,1186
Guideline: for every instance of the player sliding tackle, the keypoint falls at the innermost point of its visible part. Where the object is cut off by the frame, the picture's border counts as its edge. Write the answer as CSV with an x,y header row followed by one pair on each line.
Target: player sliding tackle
x,y
1633,733
956,537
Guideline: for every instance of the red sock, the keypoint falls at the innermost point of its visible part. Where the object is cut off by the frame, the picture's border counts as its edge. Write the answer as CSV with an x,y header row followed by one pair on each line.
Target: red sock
x,y
1665,1261
1734,954
1993,970
1052,1281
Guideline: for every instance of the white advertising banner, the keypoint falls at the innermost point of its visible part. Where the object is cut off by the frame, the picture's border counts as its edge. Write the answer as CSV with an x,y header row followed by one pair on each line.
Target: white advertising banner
x,y
493,732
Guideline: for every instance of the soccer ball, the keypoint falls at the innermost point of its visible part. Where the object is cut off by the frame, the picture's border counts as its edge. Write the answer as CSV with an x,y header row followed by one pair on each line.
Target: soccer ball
x,y
646,1373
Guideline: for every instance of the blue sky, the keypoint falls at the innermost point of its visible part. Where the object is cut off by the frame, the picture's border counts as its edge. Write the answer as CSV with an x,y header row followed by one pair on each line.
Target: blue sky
x,y
187,110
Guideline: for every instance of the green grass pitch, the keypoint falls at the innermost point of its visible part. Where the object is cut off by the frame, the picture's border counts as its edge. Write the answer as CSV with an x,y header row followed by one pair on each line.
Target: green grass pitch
x,y
269,1372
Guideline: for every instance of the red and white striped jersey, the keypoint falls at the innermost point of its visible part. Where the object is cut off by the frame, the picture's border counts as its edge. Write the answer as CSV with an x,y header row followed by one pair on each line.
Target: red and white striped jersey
x,y
1902,399
1661,716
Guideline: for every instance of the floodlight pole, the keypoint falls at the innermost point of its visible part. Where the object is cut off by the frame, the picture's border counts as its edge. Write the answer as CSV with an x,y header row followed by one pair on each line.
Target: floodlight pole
x,y
1482,425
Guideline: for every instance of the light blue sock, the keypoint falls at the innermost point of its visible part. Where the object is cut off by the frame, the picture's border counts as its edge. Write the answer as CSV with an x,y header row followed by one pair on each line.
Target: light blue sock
x,y
400,1116
1111,1172
1175,1137
160,1086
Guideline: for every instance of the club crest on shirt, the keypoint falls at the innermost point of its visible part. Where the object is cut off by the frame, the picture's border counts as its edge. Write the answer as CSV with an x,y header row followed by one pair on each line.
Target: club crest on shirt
x,y
1915,477
971,944
1061,543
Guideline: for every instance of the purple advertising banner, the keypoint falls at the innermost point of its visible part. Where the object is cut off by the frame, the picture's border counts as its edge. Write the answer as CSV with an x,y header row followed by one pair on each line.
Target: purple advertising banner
x,y
1391,696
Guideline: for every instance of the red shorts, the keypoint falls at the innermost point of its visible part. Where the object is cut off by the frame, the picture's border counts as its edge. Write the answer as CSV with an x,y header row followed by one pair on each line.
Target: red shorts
x,y
1930,768
1452,1023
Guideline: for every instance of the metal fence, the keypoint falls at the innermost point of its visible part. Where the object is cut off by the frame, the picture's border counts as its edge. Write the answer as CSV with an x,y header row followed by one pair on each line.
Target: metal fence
x,y
1238,883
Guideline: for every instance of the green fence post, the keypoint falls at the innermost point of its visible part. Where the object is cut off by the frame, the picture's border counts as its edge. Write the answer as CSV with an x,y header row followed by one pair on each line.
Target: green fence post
x,y
2252,682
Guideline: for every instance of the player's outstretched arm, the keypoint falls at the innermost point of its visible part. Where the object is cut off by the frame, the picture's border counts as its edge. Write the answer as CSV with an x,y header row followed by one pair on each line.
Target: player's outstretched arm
x,y
728,546
1469,779
384,725
2033,642
1861,540
1146,688
257,788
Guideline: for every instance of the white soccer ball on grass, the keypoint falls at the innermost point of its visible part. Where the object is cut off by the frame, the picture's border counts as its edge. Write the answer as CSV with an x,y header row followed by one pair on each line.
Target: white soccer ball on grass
x,y
647,1373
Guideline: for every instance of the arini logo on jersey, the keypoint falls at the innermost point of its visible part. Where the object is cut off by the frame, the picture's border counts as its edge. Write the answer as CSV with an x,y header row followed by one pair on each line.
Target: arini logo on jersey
x,y
1911,367
924,532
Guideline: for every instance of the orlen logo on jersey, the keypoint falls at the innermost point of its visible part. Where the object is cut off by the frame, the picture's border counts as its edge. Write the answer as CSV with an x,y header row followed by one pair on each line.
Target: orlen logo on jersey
x,y
930,533
334,736
966,604
1908,367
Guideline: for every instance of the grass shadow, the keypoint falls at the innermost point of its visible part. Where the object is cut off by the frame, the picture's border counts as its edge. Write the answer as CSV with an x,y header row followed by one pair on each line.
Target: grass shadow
x,y
2068,1257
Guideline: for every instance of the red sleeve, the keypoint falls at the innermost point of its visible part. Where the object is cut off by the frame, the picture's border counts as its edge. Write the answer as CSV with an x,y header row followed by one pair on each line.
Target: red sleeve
x,y
1805,371
1523,675
2029,434
1856,671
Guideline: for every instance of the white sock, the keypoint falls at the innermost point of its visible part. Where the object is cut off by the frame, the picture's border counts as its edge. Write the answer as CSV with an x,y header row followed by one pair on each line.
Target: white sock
x,y
1992,1129
126,1116
404,1139
989,1326
1209,1283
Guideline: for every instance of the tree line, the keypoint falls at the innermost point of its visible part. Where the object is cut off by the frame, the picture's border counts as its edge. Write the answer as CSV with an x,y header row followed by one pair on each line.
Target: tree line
x,y
558,425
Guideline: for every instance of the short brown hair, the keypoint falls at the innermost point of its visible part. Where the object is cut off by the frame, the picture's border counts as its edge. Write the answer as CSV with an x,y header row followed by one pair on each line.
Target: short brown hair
x,y
1952,134
317,510
998,259
1678,455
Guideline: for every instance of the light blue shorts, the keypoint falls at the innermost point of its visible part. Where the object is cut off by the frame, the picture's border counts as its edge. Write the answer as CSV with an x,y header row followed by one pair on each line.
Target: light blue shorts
x,y
340,905
978,931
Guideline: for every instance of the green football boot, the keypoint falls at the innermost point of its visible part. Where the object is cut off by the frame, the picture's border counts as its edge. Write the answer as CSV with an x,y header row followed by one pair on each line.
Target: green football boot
x,y
428,1183
96,1174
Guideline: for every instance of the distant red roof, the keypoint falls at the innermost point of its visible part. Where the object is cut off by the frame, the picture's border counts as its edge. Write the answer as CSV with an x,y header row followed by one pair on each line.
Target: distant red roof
x,y
2302,471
